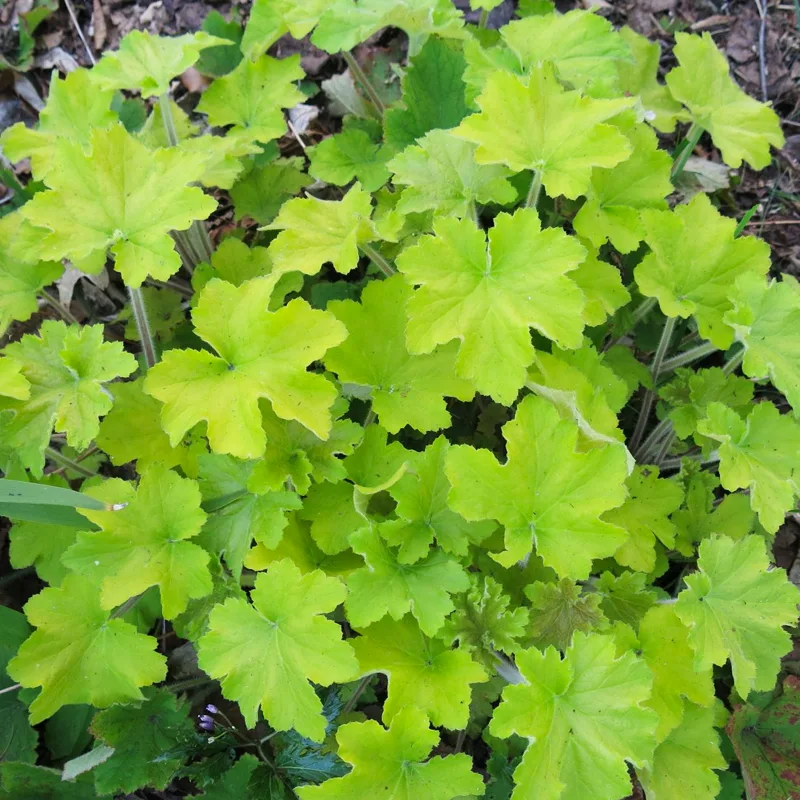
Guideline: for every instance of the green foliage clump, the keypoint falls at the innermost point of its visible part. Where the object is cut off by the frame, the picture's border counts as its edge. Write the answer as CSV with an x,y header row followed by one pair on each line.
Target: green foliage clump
x,y
466,447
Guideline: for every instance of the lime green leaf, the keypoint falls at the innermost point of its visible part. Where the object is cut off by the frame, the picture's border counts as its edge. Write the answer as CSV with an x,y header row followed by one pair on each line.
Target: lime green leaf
x,y
759,454
582,45
350,155
684,763
645,515
546,494
144,545
664,643
79,655
433,94
132,431
148,63
344,23
122,196
297,455
394,764
141,736
427,670
315,231
584,717
21,281
262,190
764,736
298,546
261,354
233,261
375,466
578,394
617,195
230,530
330,510
489,298
483,623
765,320
75,106
271,19
421,496
640,78
700,518
266,653
405,389
741,127
385,586
557,132
442,176
251,97
735,608
695,262
41,545
559,610
601,283
625,597
66,368
690,393
12,382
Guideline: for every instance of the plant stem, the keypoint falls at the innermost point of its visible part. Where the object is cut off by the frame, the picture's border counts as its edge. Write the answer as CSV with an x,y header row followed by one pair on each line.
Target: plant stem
x,y
675,463
536,189
11,688
366,85
650,395
189,683
664,448
689,143
350,704
732,364
68,463
462,734
126,606
689,357
143,327
380,262
62,310
651,443
370,418
507,670
643,309
196,241
483,22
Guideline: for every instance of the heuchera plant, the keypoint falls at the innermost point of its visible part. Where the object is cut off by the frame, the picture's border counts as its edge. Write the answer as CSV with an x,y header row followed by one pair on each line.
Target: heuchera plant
x,y
475,442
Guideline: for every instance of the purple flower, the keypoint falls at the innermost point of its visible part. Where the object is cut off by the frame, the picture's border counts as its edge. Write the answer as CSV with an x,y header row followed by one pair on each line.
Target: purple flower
x,y
212,709
206,722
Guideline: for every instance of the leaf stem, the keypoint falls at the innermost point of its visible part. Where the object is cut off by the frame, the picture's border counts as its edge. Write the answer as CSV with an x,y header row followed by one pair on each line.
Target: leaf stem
x,y
651,443
195,241
142,321
126,606
732,364
675,463
643,309
483,22
366,85
689,357
62,310
350,704
68,463
650,395
380,262
11,688
686,149
507,670
536,189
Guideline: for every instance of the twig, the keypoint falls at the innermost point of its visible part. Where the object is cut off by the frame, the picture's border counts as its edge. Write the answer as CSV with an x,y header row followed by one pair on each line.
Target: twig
x,y
350,704
11,688
79,30
764,223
